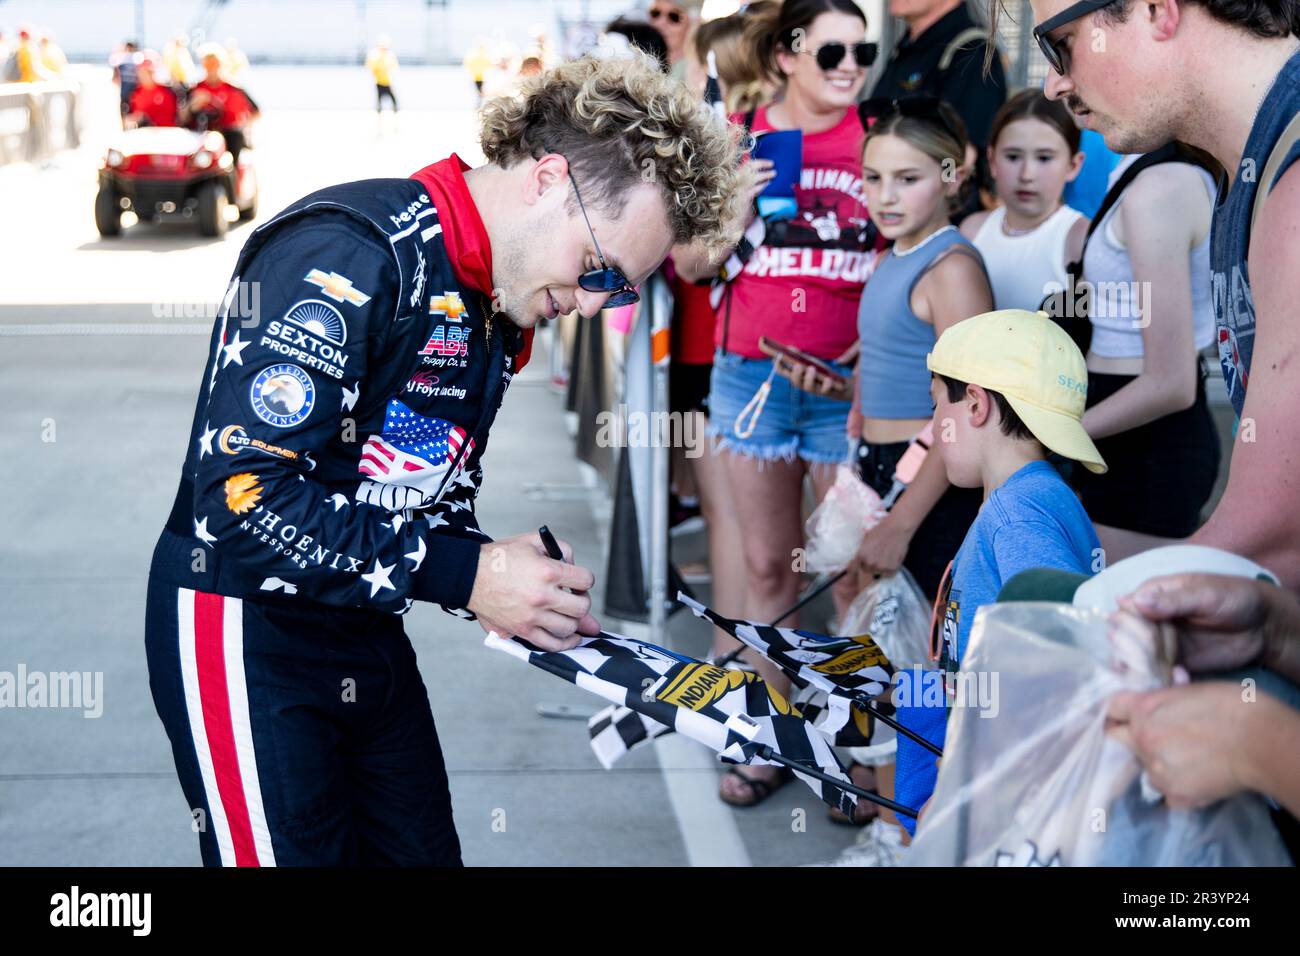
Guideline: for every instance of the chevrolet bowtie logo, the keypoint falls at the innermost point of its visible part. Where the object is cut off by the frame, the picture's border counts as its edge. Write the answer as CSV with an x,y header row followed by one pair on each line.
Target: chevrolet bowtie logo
x,y
447,304
337,287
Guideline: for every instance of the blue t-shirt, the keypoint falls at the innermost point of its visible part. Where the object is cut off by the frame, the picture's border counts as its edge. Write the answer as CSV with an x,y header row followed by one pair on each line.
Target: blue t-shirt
x,y
1088,189
1033,520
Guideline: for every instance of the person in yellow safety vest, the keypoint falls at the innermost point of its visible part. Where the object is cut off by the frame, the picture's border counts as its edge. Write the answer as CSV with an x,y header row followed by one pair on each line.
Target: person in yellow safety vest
x,y
478,61
178,62
382,63
236,62
52,56
30,68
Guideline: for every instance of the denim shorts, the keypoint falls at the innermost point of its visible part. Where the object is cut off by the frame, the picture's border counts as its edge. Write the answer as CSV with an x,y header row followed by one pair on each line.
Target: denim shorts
x,y
793,423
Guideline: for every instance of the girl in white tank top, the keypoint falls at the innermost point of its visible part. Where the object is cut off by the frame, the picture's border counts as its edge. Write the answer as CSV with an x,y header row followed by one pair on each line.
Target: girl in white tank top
x,y
1027,241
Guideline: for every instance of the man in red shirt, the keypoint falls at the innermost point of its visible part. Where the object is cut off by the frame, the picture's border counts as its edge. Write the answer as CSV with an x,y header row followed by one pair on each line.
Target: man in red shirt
x,y
223,106
152,104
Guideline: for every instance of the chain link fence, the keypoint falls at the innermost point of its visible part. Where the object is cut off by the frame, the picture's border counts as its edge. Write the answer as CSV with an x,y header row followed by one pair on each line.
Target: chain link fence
x,y
1024,63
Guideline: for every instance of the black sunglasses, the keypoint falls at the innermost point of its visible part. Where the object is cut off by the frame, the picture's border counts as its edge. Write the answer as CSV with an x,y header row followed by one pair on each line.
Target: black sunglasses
x,y
1058,58
606,279
917,107
672,15
831,55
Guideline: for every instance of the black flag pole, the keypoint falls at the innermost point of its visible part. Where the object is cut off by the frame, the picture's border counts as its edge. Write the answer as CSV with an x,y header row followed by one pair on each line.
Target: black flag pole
x,y
819,586
767,753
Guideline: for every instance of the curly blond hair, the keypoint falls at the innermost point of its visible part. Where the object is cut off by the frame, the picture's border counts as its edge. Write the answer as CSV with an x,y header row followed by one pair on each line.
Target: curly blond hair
x,y
621,123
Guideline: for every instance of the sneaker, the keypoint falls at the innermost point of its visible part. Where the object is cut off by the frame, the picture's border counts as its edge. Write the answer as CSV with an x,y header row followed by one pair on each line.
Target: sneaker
x,y
880,844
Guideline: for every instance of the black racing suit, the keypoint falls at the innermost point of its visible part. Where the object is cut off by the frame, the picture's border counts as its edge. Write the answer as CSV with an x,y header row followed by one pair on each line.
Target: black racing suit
x,y
330,482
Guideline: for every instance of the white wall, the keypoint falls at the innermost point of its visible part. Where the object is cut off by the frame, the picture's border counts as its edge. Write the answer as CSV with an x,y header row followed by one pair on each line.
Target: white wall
x,y
321,30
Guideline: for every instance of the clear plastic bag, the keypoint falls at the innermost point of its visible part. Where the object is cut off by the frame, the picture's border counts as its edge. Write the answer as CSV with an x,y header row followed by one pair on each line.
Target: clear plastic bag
x,y
1030,778
894,612
834,530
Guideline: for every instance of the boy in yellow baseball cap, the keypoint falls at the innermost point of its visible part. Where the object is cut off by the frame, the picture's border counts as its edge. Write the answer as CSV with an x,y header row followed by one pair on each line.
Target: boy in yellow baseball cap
x,y
1009,388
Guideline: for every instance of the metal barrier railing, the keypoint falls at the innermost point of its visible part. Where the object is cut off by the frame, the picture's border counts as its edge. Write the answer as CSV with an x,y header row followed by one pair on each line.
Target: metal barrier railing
x,y
38,120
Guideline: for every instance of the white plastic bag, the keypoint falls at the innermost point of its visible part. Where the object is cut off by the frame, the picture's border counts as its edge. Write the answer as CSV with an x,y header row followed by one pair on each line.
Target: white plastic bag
x,y
1031,779
834,530
894,612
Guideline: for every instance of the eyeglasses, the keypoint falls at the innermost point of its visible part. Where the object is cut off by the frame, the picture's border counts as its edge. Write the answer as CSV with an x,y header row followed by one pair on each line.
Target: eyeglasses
x,y
1057,56
831,55
672,16
916,107
606,279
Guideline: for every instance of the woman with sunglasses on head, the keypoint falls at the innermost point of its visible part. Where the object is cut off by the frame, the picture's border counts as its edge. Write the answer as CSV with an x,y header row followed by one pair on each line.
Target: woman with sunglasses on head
x,y
799,287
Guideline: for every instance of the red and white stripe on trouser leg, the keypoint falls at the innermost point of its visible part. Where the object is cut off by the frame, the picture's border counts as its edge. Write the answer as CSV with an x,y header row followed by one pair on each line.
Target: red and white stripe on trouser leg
x,y
216,698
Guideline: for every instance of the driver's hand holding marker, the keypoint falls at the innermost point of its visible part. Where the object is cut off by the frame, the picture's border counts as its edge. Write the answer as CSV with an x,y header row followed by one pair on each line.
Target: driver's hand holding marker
x,y
522,591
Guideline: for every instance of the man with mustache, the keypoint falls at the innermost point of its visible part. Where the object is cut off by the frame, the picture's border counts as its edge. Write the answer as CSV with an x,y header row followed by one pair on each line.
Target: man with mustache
x,y
1223,76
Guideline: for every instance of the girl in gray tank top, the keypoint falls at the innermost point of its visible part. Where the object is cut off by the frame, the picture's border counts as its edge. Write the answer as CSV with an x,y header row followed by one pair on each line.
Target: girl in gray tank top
x,y
932,278
893,381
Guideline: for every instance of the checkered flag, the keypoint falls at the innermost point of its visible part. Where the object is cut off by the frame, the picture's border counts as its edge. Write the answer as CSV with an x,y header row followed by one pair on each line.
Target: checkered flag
x,y
617,730
814,703
733,713
849,670
623,670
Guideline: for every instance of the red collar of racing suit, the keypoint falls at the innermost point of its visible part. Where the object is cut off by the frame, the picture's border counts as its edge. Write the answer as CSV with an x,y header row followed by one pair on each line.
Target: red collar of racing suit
x,y
463,232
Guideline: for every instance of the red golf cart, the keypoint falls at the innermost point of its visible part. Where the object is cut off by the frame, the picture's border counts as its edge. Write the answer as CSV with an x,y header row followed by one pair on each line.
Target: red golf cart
x,y
166,172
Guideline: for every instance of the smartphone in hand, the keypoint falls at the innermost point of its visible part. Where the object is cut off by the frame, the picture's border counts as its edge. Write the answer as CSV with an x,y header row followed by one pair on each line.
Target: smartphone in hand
x,y
799,357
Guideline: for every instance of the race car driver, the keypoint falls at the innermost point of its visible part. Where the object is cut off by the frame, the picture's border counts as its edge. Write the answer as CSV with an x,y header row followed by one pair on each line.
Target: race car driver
x,y
362,351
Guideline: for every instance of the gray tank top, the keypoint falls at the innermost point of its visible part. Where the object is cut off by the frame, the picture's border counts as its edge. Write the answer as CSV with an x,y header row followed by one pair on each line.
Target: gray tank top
x,y
895,382
1234,306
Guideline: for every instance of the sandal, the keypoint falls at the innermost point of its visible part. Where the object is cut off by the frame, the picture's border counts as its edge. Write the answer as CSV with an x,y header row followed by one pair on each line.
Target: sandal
x,y
866,810
759,790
